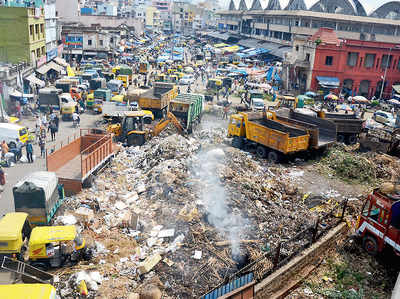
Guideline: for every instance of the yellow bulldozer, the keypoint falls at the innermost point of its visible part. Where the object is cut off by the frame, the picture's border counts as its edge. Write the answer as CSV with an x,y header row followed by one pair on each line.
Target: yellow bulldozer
x,y
133,130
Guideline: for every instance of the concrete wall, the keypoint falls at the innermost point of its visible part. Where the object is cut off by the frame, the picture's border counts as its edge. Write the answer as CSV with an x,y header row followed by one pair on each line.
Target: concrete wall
x,y
105,22
67,8
14,34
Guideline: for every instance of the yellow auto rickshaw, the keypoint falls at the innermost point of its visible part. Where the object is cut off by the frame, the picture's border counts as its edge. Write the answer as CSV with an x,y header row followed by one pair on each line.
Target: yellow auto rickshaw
x,y
90,101
15,230
118,98
173,79
31,291
179,74
48,247
98,106
171,71
179,67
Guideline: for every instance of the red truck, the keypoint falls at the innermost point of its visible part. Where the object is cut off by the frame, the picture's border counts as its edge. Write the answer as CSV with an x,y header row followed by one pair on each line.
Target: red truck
x,y
379,222
82,156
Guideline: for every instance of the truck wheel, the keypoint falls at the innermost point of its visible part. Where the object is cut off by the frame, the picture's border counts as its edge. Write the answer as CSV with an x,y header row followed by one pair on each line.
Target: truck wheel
x,y
237,142
352,139
273,157
341,138
261,151
370,245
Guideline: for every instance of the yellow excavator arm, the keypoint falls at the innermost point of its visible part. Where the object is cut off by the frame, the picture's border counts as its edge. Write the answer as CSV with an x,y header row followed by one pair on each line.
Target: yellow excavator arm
x,y
163,123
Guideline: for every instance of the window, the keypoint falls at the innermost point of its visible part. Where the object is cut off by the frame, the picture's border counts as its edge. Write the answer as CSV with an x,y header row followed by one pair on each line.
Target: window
x,y
386,61
37,52
369,60
43,51
297,48
352,58
31,30
89,42
308,57
101,42
41,28
328,60
111,40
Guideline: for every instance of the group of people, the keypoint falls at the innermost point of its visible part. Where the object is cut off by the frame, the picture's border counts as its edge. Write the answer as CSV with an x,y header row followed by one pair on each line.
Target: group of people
x,y
14,153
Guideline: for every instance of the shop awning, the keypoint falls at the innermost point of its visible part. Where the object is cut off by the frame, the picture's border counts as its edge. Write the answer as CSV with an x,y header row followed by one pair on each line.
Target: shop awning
x,y
31,78
60,61
396,88
43,69
54,66
329,82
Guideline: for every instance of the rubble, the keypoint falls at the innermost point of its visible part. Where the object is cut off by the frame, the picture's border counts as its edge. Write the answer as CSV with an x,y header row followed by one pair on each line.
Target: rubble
x,y
158,217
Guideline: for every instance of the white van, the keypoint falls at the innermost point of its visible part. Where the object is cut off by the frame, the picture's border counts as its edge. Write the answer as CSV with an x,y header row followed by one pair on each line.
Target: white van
x,y
11,132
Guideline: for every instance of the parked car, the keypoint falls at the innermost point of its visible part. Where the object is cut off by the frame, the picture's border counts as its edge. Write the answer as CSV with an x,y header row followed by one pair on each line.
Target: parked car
x,y
186,80
385,118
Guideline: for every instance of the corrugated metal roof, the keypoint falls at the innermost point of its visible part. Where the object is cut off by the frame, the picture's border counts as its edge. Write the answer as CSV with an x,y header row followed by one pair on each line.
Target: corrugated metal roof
x,y
229,287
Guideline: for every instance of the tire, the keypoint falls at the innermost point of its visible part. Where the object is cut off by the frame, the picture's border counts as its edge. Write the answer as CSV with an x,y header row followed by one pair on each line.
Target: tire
x,y
370,245
352,139
273,157
261,151
237,142
341,138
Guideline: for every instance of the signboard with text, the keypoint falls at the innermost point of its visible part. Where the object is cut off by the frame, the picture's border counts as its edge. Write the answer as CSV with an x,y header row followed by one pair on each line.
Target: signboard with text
x,y
73,42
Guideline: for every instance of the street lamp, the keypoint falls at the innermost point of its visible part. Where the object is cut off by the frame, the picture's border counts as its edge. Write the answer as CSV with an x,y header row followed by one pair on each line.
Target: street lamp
x,y
386,68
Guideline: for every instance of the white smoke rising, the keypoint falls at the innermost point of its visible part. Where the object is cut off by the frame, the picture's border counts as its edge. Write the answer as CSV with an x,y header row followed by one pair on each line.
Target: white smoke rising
x,y
214,197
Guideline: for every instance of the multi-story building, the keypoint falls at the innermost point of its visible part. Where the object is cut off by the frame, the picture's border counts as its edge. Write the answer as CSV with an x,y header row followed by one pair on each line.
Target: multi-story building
x,y
278,23
67,9
354,67
23,40
50,30
153,19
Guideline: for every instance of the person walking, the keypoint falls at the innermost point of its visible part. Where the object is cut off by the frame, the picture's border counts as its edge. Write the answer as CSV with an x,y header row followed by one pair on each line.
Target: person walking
x,y
29,152
2,176
53,130
225,112
42,145
19,146
4,149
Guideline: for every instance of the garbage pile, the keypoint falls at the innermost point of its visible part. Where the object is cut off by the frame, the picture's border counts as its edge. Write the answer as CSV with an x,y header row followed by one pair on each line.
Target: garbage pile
x,y
346,163
181,214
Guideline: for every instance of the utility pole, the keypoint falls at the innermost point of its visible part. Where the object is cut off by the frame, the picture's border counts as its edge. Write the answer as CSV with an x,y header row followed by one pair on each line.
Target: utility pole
x,y
1,103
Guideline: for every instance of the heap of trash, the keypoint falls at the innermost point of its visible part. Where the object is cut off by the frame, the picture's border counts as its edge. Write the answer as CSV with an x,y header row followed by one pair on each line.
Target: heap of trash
x,y
180,215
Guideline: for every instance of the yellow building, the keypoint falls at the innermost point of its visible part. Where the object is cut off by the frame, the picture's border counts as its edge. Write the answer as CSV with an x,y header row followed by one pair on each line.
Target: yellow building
x,y
22,35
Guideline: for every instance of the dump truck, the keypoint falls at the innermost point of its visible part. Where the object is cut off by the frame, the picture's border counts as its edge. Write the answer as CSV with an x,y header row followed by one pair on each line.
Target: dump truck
x,y
188,109
348,126
273,136
81,157
39,195
158,98
379,221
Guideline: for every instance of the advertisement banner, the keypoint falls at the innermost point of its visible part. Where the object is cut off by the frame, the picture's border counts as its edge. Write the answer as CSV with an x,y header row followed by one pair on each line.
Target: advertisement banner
x,y
41,61
60,50
73,42
52,54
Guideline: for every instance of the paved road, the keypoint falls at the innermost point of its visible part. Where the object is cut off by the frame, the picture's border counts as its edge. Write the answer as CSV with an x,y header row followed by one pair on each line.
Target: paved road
x,y
20,170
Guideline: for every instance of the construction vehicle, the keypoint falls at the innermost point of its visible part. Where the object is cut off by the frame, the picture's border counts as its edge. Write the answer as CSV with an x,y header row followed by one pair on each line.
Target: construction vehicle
x,y
348,126
143,68
132,130
39,195
114,113
273,136
187,108
31,291
382,140
379,221
157,98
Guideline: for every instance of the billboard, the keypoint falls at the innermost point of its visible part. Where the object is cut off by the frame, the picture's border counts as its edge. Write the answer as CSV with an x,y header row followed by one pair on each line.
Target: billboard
x,y
73,42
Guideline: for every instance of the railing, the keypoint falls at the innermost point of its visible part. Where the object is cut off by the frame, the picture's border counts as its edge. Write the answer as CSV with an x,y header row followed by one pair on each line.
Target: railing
x,y
274,258
95,154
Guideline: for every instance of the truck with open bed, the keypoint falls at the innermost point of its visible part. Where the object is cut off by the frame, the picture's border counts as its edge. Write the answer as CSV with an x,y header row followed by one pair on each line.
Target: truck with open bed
x,y
274,136
82,156
187,108
158,98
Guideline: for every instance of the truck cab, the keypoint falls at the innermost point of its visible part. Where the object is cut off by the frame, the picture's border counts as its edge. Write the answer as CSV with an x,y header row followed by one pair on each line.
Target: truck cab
x,y
379,222
236,126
